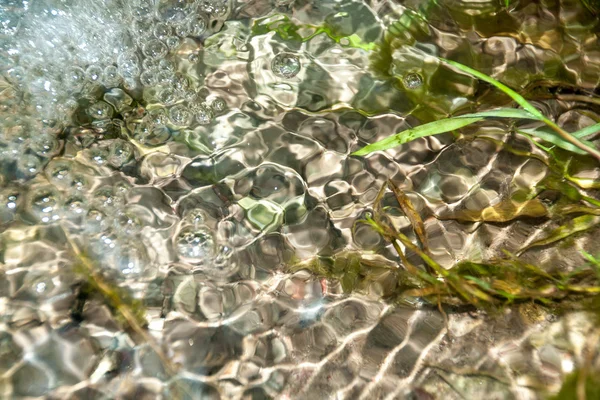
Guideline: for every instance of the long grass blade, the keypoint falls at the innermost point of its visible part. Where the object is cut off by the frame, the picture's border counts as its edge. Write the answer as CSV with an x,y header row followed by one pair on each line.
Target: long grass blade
x,y
442,126
587,131
430,129
527,106
549,136
502,113
577,224
514,95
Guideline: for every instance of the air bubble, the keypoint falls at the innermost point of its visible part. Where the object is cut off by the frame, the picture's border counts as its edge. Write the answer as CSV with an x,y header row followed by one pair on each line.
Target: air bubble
x,y
120,152
204,115
9,201
45,205
181,83
100,110
218,105
162,31
76,206
172,42
180,115
195,217
130,259
106,200
142,9
212,7
165,78
157,117
141,29
155,49
412,81
29,165
224,264
148,78
130,83
166,65
172,10
182,29
197,26
59,173
152,136
166,96
110,76
195,245
127,223
286,65
128,65
96,221
149,64
74,78
93,73
41,285
99,155
44,145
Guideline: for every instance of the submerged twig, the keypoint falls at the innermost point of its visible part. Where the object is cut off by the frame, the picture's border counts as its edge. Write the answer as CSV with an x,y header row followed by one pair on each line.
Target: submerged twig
x,y
412,215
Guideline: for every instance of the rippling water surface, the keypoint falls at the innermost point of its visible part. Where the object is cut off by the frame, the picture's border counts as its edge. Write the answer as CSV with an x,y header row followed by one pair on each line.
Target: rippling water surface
x,y
166,163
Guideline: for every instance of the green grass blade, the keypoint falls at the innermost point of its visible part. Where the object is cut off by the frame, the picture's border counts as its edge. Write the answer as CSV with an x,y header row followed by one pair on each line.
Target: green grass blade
x,y
566,136
595,261
578,224
514,95
430,129
551,137
587,131
528,136
442,126
516,113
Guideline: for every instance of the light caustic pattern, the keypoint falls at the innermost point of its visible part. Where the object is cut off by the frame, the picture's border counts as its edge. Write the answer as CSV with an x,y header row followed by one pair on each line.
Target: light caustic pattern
x,y
194,150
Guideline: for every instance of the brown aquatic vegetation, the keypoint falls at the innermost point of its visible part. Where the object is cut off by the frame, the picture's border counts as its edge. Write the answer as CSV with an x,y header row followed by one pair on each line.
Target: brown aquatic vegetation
x,y
488,285
129,312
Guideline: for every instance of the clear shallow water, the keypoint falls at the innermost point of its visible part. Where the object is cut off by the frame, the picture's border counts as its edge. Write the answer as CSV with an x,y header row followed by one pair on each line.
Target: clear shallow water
x,y
195,150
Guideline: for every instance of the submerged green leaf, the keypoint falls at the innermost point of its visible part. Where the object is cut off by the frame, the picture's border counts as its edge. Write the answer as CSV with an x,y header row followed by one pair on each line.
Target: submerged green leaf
x,y
442,126
566,136
502,113
558,136
551,137
504,211
430,129
587,131
578,224
514,95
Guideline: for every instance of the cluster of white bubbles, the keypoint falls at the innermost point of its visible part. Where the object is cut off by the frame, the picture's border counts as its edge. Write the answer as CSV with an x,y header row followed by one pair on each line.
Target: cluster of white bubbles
x,y
74,71
57,56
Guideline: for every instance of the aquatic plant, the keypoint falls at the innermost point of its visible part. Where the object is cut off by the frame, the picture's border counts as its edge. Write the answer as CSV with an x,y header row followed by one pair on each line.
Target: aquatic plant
x,y
487,285
572,142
